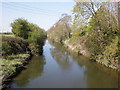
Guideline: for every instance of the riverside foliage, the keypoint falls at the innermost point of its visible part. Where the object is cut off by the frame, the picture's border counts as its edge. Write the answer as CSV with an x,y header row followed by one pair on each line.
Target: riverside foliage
x,y
101,31
28,37
94,30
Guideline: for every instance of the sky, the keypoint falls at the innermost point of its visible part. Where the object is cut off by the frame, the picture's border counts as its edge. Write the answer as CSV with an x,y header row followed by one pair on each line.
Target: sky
x,y
44,14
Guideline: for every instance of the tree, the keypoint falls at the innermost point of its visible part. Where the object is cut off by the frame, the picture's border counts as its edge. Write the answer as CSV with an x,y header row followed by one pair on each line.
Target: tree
x,y
36,39
104,30
20,27
33,34
37,34
60,31
82,12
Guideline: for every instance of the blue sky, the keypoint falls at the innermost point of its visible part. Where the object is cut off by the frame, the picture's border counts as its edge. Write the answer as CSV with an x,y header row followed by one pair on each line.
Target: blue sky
x,y
44,14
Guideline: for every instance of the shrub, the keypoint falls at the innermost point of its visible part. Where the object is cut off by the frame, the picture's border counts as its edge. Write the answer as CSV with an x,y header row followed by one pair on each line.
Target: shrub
x,y
13,45
35,49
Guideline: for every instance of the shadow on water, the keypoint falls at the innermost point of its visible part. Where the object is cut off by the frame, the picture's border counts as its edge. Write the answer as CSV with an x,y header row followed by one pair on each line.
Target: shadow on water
x,y
63,69
34,69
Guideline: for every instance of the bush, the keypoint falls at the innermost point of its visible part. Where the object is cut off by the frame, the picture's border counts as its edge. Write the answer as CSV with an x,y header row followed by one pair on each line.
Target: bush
x,y
35,49
13,45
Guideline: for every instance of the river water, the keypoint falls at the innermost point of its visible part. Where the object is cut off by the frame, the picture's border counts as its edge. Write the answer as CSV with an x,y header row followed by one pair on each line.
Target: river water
x,y
57,68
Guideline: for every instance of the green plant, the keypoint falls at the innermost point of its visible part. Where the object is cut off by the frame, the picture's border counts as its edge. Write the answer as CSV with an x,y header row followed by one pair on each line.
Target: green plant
x,y
13,45
20,27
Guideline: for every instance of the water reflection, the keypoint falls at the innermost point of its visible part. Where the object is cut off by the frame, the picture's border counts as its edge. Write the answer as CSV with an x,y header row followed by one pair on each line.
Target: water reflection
x,y
96,75
35,69
60,56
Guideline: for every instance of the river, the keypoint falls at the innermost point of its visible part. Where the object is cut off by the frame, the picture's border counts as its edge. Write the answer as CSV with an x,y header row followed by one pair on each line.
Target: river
x,y
57,68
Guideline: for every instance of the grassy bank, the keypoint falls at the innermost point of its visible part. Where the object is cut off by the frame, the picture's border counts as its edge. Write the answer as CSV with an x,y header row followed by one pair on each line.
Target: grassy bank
x,y
11,66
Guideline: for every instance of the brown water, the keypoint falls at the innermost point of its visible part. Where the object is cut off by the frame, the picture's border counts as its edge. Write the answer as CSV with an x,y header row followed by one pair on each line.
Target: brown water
x,y
59,69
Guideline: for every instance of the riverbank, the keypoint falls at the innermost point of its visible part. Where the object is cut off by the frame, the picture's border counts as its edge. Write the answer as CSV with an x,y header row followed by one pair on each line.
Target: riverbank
x,y
107,58
77,45
10,66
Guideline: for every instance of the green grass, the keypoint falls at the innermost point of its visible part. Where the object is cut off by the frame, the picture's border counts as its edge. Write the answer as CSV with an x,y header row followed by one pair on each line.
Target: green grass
x,y
9,64
18,56
9,35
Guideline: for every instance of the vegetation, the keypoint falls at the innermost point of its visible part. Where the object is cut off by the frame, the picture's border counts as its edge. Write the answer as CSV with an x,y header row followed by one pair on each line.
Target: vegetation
x,y
16,47
36,39
94,30
20,28
11,62
61,29
27,38
13,45
100,32
104,32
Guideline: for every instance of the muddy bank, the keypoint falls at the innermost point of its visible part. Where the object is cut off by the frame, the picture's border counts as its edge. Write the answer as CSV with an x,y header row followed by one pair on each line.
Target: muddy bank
x,y
7,78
